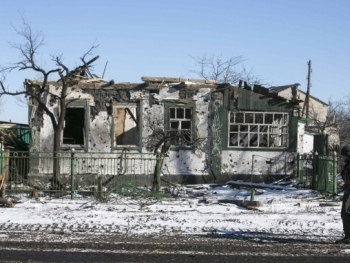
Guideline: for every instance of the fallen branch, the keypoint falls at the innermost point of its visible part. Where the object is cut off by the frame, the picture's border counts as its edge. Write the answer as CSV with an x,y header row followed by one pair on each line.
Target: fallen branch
x,y
236,184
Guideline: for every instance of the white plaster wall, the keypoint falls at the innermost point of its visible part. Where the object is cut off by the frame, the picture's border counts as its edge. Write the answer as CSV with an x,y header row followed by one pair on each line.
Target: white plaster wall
x,y
99,137
264,162
308,143
168,93
305,140
301,131
184,162
73,94
44,139
100,133
202,113
191,161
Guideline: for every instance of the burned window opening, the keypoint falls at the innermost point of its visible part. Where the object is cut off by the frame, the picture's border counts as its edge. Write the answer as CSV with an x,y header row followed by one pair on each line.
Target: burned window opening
x,y
257,129
73,132
126,128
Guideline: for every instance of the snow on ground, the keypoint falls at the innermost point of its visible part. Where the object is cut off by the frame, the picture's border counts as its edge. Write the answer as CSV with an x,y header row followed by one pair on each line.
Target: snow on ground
x,y
288,214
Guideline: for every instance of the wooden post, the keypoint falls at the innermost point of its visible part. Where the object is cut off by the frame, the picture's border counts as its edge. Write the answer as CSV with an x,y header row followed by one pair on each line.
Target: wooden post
x,y
2,186
5,169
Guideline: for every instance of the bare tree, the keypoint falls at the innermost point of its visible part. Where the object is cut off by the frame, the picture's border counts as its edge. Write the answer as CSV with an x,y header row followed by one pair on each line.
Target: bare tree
x,y
160,141
229,71
336,123
342,121
28,51
321,123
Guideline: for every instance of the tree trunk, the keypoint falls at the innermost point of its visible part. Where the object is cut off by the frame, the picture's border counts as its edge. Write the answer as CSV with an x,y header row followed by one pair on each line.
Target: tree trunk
x,y
57,137
56,159
2,187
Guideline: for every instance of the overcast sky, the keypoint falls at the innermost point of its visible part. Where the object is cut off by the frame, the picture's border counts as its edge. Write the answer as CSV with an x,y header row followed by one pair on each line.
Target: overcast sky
x,y
158,38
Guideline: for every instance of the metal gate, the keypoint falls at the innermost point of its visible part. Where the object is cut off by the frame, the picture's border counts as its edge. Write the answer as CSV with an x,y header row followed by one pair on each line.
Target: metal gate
x,y
318,172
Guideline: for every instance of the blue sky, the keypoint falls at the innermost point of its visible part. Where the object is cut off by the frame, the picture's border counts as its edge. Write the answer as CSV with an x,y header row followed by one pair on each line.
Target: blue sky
x,y
158,38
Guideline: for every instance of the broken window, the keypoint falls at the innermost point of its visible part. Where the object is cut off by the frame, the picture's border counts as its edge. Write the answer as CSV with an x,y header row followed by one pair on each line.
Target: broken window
x,y
74,126
126,125
180,119
258,129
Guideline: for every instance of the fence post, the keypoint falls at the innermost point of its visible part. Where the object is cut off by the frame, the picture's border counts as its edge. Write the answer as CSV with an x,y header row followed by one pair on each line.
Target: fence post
x,y
252,194
298,168
315,171
6,166
335,183
72,174
2,173
252,190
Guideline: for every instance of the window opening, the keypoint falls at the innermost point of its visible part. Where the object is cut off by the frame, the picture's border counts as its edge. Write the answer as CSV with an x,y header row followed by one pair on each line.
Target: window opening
x,y
126,125
256,129
73,132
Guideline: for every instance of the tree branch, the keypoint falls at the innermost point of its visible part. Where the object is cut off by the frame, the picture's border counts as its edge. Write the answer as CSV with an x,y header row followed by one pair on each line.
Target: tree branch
x,y
224,71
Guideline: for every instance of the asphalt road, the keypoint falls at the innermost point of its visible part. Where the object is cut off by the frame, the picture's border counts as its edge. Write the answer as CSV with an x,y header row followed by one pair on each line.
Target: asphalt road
x,y
42,256
167,249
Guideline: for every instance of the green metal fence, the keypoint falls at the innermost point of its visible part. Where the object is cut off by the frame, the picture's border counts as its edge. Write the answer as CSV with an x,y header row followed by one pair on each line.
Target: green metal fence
x,y
79,173
318,172
82,173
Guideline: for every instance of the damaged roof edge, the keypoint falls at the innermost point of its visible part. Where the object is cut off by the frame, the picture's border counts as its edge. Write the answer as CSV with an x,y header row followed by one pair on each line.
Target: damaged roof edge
x,y
154,83
281,88
177,80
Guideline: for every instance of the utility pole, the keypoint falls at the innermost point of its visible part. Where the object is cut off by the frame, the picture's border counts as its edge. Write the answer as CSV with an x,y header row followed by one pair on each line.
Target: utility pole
x,y
307,97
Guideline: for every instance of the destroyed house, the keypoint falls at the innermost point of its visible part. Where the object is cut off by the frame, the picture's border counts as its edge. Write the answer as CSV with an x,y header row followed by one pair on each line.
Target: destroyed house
x,y
14,136
218,132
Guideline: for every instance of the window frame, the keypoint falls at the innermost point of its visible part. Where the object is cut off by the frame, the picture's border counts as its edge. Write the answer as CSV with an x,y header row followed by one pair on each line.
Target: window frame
x,y
168,120
258,127
138,107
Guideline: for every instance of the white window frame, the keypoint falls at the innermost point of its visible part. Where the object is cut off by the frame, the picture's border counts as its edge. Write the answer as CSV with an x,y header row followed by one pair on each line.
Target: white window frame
x,y
182,121
249,129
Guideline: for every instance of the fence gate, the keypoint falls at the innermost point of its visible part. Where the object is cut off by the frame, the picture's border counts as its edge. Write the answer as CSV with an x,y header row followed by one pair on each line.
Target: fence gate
x,y
318,172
